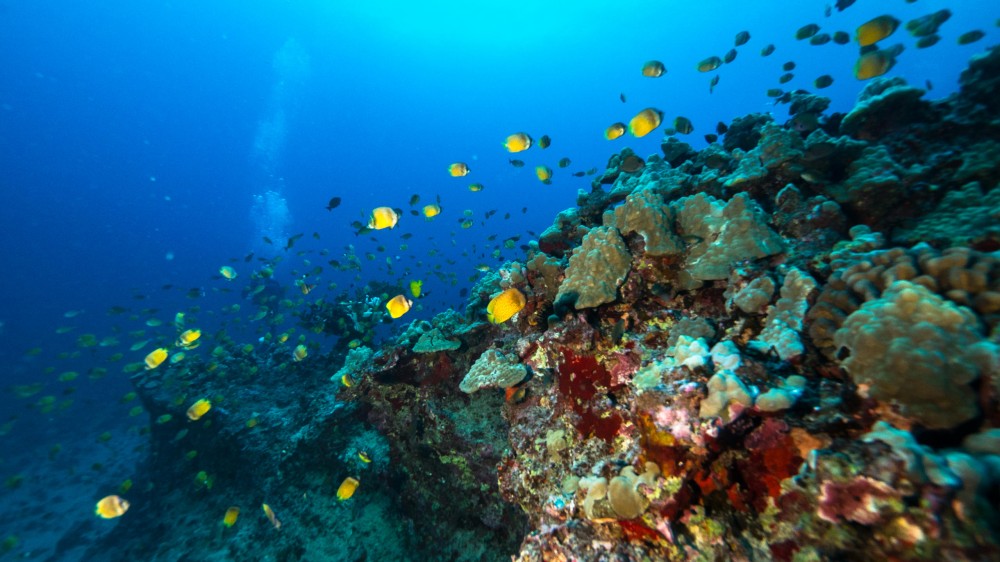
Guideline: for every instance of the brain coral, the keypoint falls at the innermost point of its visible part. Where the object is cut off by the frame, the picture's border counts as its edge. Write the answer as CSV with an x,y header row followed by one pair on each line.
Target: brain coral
x,y
596,269
919,351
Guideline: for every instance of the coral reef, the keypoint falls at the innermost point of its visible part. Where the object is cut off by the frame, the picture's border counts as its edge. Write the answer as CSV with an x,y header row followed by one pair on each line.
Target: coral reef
x,y
770,350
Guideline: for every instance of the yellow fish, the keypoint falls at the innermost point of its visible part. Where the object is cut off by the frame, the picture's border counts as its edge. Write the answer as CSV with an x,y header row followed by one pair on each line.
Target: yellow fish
x,y
283,338
155,357
199,409
299,353
544,174
347,488
504,306
458,169
230,518
431,211
177,358
364,457
346,380
517,142
645,122
111,506
653,69
416,287
876,63
227,272
398,306
383,217
476,187
188,339
614,131
270,516
876,29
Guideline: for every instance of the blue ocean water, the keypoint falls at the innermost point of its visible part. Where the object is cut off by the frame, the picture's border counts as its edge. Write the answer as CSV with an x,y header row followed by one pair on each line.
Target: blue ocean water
x,y
145,144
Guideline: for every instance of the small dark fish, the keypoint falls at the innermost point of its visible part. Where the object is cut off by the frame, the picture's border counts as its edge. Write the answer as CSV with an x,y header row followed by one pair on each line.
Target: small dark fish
x,y
970,37
414,212
683,125
930,86
928,41
925,26
463,293
248,258
524,210
516,163
821,39
333,204
579,174
506,216
544,142
591,171
788,66
774,93
710,138
621,96
407,236
841,38
807,31
786,78
843,4
414,199
267,240
316,235
823,81
767,50
564,162
730,56
713,83
292,240
742,38
632,164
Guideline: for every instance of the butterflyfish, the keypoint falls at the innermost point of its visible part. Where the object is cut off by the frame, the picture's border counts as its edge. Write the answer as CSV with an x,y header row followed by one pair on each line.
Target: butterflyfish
x,y
431,211
505,305
230,518
544,174
518,142
458,169
299,353
645,122
683,125
398,306
188,339
383,217
475,187
653,69
111,506
416,288
876,63
227,272
347,488
614,131
875,30
156,357
199,409
544,142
